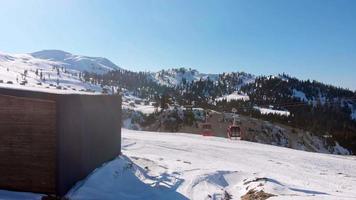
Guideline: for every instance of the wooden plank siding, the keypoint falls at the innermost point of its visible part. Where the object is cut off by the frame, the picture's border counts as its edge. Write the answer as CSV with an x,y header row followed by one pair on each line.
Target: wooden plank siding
x,y
27,144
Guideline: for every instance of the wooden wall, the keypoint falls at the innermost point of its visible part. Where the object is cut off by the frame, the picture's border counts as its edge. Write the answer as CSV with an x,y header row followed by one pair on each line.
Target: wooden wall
x,y
89,134
27,144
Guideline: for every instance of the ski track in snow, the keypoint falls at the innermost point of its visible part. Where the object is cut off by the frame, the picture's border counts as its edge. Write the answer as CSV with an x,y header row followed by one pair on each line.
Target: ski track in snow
x,y
185,166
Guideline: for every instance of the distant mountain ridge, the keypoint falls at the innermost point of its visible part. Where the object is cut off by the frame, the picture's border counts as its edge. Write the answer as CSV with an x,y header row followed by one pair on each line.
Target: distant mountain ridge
x,y
189,83
81,63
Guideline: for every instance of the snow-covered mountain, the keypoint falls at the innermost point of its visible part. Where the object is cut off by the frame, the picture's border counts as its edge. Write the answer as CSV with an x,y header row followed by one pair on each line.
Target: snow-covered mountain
x,y
176,76
181,77
50,71
81,63
306,105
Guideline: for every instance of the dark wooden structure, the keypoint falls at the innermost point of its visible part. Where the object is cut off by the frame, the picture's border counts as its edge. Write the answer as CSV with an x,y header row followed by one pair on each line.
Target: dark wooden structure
x,y
48,142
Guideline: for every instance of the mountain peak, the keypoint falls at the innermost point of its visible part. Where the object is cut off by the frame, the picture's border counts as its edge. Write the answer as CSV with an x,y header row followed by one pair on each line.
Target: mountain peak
x,y
51,54
81,63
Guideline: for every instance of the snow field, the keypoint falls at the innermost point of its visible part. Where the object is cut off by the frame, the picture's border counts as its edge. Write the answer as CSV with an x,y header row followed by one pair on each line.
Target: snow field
x,y
185,166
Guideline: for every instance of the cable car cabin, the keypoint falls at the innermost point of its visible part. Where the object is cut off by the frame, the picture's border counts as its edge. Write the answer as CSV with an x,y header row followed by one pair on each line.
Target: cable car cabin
x,y
207,130
234,132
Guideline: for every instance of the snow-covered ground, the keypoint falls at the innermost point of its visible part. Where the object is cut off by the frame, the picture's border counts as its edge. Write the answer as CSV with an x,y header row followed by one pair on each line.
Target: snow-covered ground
x,y
145,109
185,166
234,96
266,111
131,102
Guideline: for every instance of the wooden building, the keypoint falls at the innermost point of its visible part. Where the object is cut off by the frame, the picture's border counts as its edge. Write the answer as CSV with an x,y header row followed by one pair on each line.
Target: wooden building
x,y
48,142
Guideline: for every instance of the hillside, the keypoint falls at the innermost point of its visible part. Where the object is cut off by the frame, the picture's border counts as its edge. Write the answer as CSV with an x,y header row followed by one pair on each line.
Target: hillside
x,y
185,166
177,76
51,70
254,130
322,110
311,106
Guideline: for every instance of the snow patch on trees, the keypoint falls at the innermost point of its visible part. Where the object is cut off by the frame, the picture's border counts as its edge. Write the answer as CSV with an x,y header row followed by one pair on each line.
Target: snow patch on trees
x,y
234,96
267,111
300,95
177,76
353,115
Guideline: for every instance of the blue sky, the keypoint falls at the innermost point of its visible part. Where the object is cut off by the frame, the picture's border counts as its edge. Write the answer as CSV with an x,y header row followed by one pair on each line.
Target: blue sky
x,y
313,39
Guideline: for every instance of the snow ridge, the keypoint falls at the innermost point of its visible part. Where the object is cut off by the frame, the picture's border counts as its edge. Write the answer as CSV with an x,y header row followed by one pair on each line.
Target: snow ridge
x,y
81,63
24,71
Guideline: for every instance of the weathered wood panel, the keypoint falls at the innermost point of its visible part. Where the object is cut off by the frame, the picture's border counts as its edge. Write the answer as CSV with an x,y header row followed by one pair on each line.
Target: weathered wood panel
x,y
27,144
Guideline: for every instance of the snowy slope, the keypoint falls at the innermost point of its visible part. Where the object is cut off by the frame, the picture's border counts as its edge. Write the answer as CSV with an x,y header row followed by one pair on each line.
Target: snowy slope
x,y
266,111
174,77
185,166
81,63
27,72
234,96
131,102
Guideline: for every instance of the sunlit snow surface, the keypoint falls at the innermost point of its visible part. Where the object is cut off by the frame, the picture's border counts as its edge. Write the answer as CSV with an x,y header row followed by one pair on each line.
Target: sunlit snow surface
x,y
234,96
186,166
266,111
55,73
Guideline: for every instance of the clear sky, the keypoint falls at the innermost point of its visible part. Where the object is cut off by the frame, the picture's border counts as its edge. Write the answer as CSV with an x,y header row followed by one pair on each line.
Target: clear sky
x,y
313,39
